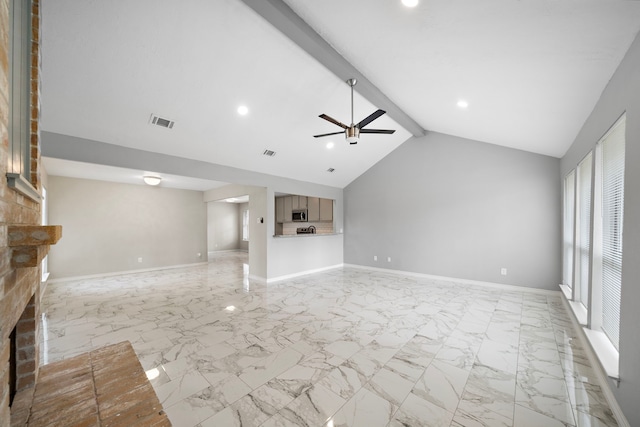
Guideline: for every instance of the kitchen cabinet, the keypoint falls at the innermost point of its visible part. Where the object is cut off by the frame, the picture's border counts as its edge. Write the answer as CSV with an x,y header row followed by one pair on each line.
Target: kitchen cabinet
x,y
280,210
317,209
288,207
313,209
299,202
326,210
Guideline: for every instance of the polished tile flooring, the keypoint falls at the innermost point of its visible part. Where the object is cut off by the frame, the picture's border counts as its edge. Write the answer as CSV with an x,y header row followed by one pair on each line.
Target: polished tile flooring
x,y
345,347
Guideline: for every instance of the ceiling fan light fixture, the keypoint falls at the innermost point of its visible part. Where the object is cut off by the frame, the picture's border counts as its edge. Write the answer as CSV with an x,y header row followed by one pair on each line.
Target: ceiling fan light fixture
x,y
352,134
152,180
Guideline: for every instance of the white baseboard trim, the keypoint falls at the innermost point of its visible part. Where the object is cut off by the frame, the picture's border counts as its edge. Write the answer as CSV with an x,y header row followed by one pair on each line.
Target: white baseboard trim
x,y
599,370
456,280
257,278
303,273
120,273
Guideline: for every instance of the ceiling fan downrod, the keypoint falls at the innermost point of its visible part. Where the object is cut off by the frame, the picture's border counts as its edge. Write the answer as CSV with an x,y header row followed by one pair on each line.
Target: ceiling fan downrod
x,y
352,83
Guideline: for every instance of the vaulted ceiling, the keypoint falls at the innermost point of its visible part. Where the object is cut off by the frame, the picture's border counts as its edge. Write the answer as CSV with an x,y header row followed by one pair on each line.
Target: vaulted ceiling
x,y
530,71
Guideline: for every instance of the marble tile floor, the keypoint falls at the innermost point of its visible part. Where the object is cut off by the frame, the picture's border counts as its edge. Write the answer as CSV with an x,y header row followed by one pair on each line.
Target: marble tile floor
x,y
345,347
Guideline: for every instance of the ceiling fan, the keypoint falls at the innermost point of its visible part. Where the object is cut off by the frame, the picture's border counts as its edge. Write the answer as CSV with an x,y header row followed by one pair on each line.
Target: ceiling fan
x,y
352,133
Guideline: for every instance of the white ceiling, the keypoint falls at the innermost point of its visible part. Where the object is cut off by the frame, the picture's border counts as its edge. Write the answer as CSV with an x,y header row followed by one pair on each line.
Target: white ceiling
x,y
530,70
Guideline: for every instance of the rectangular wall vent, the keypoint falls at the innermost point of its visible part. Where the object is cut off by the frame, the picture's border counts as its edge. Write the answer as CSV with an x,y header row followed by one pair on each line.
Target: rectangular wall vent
x,y
269,153
160,121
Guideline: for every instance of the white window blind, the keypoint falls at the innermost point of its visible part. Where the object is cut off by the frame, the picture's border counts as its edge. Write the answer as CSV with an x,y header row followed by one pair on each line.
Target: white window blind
x,y
613,148
584,227
568,223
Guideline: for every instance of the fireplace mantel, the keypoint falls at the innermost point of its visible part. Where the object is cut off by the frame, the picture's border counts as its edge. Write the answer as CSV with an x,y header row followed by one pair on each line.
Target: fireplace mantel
x,y
30,243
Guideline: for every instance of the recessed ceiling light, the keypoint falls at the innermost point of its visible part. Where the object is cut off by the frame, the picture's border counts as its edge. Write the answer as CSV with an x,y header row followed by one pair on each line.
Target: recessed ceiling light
x,y
230,308
463,104
330,145
243,110
410,3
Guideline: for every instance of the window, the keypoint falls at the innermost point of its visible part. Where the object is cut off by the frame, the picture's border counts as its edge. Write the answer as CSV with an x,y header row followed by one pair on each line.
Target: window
x,y
583,230
569,212
19,159
612,147
245,225
596,256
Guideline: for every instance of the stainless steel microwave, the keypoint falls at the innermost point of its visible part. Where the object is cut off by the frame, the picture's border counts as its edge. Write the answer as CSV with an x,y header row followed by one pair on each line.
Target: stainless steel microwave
x,y
299,215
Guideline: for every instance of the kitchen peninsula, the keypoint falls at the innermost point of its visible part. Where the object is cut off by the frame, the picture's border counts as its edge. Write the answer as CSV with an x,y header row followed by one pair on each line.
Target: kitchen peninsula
x,y
303,216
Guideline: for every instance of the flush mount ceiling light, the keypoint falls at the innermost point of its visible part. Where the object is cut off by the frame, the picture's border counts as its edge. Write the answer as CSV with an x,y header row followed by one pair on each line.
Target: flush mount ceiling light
x,y
243,110
152,180
410,3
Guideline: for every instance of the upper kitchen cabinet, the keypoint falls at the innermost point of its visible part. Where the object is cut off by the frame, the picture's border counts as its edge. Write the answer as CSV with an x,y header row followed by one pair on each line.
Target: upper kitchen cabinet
x,y
299,202
326,210
288,208
316,209
313,206
280,216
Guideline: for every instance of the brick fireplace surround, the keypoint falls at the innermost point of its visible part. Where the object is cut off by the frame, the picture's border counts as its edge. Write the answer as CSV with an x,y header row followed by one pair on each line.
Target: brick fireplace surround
x,y
20,289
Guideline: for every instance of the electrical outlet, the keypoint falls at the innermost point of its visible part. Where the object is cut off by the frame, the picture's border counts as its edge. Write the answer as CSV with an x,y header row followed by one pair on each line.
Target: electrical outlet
x,y
388,259
503,271
140,259
375,257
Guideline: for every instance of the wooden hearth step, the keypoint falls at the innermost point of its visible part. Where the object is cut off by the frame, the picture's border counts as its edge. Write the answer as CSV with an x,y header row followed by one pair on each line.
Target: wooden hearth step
x,y
104,387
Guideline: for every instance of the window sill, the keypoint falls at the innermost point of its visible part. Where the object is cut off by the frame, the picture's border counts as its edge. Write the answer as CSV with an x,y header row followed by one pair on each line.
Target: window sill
x,y
21,185
579,310
605,351
599,342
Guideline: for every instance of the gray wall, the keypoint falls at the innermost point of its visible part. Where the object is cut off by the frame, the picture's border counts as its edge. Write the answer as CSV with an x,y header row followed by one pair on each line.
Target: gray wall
x,y
222,226
622,94
453,207
107,226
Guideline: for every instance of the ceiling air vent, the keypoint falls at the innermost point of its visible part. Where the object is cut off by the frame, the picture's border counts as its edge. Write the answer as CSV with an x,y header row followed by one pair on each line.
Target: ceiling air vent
x,y
330,170
160,121
269,153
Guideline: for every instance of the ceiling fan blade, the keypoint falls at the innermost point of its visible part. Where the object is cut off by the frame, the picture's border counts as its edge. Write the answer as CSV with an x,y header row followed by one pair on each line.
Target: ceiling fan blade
x,y
332,120
327,134
370,118
385,131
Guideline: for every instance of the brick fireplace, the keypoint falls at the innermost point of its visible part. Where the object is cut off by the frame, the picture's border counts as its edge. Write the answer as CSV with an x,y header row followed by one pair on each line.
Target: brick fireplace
x,y
22,356
20,288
